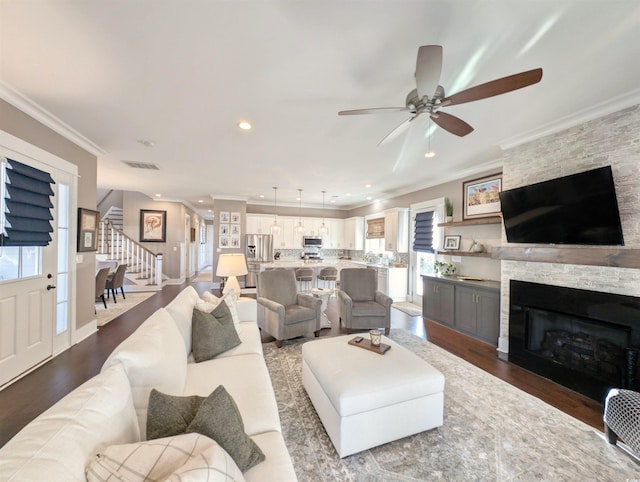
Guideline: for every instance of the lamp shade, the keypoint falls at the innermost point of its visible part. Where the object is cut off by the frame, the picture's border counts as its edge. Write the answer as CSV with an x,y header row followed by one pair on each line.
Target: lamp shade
x,y
232,264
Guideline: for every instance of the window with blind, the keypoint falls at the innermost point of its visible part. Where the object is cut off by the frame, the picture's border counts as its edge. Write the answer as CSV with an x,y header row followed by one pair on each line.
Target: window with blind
x,y
423,233
375,228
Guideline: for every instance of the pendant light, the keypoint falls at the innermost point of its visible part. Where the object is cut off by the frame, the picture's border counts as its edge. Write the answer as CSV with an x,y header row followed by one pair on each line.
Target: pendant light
x,y
324,230
300,227
275,227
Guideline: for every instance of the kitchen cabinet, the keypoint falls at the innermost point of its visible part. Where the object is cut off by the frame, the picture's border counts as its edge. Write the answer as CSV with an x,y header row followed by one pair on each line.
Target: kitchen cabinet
x,y
259,223
438,301
354,233
471,307
476,313
396,230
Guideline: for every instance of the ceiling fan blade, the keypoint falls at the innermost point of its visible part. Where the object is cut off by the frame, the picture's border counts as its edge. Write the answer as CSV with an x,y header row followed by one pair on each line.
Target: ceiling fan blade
x,y
396,132
428,69
495,87
452,124
374,110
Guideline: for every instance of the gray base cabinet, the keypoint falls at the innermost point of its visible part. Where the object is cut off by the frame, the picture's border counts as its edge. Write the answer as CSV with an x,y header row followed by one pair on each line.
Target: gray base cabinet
x,y
471,307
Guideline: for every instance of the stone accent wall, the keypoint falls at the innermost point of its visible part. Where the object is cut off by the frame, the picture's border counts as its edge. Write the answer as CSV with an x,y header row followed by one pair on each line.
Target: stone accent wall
x,y
613,140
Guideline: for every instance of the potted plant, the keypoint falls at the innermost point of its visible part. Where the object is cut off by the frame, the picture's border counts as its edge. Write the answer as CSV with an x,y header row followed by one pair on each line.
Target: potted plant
x,y
448,208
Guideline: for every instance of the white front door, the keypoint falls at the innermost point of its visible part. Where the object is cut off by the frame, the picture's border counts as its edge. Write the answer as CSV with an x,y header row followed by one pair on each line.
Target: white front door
x,y
28,279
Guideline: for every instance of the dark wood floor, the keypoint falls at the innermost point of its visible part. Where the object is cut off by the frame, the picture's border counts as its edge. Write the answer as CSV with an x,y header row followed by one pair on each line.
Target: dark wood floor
x,y
28,397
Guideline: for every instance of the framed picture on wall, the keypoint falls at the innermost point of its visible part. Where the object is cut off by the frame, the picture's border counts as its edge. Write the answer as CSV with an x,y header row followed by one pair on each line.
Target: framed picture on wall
x,y
223,229
235,218
88,221
223,241
480,197
224,216
153,226
451,242
235,241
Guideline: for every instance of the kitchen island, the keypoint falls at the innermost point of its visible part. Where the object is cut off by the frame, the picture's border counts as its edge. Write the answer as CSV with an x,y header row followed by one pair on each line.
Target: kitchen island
x,y
392,280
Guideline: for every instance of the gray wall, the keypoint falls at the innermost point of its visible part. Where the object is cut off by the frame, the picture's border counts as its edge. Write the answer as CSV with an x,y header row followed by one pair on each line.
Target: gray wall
x,y
19,124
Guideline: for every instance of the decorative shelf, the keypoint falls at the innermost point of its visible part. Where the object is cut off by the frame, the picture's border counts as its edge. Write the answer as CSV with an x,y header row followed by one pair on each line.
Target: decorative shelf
x,y
588,255
472,222
464,253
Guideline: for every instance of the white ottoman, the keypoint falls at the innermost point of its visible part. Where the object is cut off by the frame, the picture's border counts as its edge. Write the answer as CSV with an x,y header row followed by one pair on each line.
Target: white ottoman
x,y
365,399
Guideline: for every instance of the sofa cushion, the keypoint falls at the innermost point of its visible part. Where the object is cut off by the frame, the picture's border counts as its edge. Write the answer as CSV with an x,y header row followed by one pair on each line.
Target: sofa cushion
x,y
57,444
230,298
180,310
219,418
180,458
170,415
277,465
213,333
153,357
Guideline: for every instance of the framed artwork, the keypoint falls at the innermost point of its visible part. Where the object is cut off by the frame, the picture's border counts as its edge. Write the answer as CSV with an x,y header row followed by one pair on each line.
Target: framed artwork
x,y
153,226
88,221
480,197
193,234
235,241
224,241
235,229
223,229
451,242
235,218
224,216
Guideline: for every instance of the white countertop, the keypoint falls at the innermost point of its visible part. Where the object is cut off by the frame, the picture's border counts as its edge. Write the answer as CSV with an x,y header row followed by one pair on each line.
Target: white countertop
x,y
326,263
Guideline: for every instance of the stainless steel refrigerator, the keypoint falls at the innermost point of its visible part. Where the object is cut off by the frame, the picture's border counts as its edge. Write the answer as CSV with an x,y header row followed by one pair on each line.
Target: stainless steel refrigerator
x,y
258,249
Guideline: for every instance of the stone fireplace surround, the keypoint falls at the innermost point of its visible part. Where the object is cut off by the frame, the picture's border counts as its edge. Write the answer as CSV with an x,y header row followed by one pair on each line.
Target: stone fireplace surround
x,y
613,139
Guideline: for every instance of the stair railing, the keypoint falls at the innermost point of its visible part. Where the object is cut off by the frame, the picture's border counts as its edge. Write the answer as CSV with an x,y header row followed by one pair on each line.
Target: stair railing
x,y
118,246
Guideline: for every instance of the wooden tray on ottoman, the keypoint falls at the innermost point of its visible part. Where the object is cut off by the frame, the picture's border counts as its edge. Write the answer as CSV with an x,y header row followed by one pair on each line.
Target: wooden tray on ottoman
x,y
366,344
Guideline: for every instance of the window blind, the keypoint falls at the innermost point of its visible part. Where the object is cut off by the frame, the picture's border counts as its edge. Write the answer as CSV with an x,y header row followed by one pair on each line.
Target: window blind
x,y
25,217
375,228
423,232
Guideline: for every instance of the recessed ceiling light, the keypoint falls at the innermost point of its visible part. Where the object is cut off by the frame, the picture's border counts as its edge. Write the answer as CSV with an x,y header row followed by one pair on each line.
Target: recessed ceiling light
x,y
333,200
200,201
244,125
429,154
261,195
367,186
209,210
348,194
158,195
369,198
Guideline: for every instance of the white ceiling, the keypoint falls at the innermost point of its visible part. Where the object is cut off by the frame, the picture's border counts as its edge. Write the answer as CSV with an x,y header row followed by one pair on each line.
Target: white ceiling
x,y
182,73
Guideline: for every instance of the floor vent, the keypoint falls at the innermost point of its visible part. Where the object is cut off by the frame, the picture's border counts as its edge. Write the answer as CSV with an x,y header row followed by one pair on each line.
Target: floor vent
x,y
142,165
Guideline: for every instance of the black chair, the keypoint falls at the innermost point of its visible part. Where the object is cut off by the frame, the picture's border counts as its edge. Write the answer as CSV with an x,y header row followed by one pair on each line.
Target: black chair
x,y
115,281
101,283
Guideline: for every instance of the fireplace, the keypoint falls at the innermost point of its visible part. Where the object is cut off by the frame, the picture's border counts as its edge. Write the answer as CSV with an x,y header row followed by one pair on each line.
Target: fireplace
x,y
585,340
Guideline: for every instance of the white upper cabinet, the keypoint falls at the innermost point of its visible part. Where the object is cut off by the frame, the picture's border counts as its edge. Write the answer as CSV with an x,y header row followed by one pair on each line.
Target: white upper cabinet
x,y
396,230
354,233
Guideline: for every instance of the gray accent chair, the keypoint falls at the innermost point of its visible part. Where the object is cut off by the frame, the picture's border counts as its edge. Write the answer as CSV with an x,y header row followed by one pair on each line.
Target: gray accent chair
x,y
283,312
360,303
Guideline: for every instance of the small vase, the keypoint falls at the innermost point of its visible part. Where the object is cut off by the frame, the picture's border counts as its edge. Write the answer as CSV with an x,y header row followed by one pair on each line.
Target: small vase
x,y
448,219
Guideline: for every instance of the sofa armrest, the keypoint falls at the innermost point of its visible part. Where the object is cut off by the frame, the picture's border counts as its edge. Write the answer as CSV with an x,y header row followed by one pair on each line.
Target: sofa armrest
x,y
309,301
247,309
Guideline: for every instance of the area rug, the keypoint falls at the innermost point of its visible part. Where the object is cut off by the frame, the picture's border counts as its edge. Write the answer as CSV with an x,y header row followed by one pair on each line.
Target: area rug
x,y
492,431
408,308
113,310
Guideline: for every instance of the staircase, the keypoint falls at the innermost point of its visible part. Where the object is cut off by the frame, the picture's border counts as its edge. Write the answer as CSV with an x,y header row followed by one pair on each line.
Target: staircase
x,y
144,268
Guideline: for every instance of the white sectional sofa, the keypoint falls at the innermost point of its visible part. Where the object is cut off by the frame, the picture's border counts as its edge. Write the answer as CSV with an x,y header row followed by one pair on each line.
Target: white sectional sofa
x,y
111,408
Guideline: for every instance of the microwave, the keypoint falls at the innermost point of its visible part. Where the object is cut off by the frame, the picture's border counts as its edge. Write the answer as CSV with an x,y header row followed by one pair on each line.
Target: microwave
x,y
312,241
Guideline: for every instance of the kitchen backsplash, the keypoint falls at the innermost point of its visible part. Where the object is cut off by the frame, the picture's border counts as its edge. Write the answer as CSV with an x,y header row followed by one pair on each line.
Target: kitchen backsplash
x,y
339,253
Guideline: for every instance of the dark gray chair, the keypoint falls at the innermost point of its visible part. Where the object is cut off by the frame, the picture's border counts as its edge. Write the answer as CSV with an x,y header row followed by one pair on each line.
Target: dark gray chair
x,y
101,282
283,312
361,305
115,281
328,275
304,276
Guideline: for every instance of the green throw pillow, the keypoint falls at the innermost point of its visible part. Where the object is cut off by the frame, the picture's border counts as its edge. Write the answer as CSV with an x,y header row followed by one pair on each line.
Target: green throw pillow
x,y
212,333
168,415
219,418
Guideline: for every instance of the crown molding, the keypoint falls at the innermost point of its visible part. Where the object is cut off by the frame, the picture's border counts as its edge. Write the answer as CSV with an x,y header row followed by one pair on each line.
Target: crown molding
x,y
29,107
601,109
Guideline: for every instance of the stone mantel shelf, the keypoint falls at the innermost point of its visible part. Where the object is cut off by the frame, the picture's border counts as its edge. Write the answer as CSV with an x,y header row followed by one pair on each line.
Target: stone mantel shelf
x,y
585,255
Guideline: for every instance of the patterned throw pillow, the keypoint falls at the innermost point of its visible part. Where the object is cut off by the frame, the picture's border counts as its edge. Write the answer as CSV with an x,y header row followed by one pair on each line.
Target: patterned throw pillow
x,y
183,457
212,333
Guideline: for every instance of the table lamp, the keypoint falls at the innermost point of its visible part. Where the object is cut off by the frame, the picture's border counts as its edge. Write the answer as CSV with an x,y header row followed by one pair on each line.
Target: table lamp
x,y
229,266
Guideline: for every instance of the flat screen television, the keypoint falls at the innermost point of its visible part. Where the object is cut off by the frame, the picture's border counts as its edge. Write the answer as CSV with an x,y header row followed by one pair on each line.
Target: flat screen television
x,y
577,209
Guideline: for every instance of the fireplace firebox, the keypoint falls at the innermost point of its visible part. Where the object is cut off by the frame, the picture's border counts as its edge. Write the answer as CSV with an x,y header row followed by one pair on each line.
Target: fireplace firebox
x,y
585,340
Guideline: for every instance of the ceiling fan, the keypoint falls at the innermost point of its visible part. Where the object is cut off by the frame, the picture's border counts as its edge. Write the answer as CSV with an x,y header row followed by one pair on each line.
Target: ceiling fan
x,y
429,97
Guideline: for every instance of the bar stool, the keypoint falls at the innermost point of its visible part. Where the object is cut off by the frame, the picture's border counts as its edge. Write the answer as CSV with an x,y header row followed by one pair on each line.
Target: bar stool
x,y
304,277
329,275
